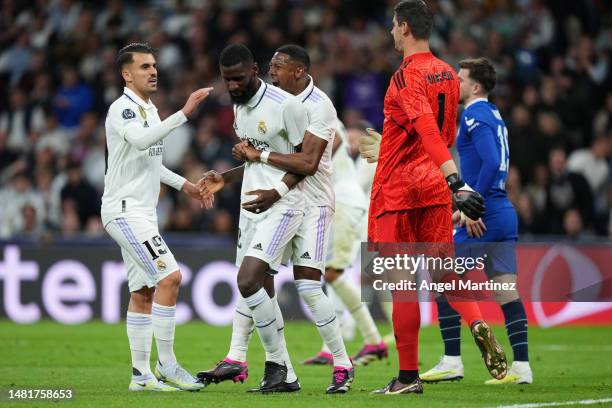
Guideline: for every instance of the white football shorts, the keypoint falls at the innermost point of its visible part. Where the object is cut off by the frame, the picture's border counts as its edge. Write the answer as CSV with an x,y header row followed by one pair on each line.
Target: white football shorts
x,y
145,254
309,246
350,228
266,237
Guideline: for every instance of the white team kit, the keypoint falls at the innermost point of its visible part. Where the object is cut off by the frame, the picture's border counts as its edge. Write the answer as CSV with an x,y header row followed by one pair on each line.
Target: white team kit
x,y
274,121
310,244
350,221
134,139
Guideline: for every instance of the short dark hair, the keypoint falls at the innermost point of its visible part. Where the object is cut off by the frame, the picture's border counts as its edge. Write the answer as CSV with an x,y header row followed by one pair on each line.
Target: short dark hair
x,y
481,71
296,53
235,54
125,55
417,15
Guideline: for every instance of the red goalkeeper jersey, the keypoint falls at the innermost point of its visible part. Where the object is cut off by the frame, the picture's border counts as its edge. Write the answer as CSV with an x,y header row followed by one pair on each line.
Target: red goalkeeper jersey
x,y
405,176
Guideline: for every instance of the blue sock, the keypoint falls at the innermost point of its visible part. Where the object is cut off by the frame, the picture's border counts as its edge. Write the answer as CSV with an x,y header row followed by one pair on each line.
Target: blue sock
x,y
450,327
516,327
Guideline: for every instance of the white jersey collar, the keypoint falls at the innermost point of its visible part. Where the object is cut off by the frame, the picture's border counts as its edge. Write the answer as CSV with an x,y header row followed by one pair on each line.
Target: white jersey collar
x,y
136,99
255,99
307,91
475,101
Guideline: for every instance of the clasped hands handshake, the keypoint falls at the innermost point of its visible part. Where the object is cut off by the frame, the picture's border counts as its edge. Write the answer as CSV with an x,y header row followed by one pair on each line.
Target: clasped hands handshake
x,y
212,181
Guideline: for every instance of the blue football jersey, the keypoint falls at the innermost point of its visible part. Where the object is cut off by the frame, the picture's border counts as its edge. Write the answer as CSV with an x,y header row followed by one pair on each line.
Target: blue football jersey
x,y
482,144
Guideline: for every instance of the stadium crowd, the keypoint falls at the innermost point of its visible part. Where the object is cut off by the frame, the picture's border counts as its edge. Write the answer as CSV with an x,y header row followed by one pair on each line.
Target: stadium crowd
x,y
58,79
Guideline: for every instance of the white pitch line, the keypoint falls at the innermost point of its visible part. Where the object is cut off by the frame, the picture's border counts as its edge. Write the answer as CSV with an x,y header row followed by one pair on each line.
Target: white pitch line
x,y
557,404
571,347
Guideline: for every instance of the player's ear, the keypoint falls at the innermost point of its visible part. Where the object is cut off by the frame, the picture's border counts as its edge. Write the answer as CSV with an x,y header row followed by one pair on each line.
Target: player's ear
x,y
255,69
126,75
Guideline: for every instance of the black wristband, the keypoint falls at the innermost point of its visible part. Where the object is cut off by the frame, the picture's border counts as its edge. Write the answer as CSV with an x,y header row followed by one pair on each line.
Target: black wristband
x,y
454,182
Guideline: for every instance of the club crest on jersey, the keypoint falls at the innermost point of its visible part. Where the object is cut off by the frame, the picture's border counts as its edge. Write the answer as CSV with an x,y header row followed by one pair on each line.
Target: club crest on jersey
x,y
128,114
261,127
161,265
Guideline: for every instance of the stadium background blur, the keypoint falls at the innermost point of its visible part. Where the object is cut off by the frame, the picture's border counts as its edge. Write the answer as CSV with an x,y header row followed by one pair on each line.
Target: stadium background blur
x,y
57,79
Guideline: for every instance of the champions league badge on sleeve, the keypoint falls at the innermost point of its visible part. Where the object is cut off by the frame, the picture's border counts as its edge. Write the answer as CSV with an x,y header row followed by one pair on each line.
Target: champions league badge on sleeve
x,y
128,114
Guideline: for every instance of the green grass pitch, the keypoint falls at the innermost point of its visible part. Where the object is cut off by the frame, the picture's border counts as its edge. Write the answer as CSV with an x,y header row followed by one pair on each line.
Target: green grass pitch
x,y
569,363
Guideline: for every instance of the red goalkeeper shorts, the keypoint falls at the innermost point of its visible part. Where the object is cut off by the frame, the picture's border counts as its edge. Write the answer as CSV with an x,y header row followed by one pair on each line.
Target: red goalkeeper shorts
x,y
425,224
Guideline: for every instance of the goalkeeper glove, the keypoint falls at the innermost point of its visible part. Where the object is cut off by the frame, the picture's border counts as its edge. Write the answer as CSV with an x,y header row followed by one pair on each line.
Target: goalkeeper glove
x,y
369,145
468,201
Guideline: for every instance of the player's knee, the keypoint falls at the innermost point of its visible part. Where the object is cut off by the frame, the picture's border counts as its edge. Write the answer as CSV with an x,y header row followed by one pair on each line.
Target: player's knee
x,y
332,274
507,294
142,299
247,285
172,280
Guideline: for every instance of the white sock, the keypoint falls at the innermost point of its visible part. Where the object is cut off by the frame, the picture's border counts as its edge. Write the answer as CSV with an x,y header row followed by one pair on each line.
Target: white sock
x,y
323,312
453,359
280,324
339,306
164,322
339,309
264,316
349,293
242,330
387,307
140,333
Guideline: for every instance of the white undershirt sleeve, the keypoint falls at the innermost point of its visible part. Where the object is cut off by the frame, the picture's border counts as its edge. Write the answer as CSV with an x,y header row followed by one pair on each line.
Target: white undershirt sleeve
x,y
170,178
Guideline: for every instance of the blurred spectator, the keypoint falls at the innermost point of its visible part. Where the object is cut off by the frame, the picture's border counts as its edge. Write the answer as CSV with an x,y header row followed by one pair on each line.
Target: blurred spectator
x,y
602,123
15,59
592,164
53,137
566,190
20,120
572,224
13,198
80,195
521,134
73,99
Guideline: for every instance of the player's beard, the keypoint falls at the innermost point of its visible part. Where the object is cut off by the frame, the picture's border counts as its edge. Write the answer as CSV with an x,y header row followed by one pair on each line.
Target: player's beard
x,y
246,96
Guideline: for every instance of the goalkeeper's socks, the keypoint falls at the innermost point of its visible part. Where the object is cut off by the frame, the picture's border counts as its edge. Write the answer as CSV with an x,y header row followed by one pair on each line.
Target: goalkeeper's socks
x,y
516,327
325,318
264,315
408,376
164,323
242,330
140,333
280,324
462,301
349,293
450,327
406,324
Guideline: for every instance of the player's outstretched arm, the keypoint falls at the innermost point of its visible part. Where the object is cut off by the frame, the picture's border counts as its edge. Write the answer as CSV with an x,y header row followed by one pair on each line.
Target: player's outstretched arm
x,y
143,138
169,178
212,181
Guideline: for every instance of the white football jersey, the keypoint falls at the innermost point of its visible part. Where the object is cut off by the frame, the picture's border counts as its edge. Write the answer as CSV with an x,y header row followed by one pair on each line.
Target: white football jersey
x,y
346,185
135,146
318,188
275,121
